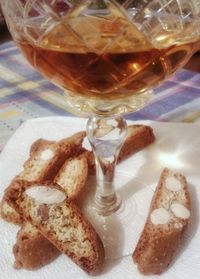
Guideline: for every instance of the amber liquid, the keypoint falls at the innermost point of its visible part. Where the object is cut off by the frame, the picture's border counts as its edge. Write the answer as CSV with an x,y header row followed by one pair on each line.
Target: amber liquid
x,y
108,75
129,65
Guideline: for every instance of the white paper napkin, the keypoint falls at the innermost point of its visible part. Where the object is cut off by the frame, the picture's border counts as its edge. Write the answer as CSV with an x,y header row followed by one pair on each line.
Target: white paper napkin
x,y
177,146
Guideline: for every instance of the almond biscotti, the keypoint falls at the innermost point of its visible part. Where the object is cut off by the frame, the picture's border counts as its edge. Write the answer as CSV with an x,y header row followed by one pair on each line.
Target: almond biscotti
x,y
47,157
168,218
60,221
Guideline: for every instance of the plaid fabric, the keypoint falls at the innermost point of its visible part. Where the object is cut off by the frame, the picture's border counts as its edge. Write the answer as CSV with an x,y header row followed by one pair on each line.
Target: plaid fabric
x,y
24,94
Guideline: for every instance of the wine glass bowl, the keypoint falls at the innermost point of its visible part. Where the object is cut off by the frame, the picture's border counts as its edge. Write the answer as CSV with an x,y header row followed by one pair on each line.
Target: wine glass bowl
x,y
106,55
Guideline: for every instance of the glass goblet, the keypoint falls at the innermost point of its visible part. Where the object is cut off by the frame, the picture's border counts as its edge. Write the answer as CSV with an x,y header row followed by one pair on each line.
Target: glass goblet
x,y
107,55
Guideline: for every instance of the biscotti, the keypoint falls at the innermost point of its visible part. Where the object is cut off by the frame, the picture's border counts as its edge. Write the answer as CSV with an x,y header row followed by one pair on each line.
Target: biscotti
x,y
168,218
61,222
32,250
46,158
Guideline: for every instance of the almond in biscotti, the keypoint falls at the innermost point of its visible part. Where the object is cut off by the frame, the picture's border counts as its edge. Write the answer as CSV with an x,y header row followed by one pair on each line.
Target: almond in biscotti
x,y
168,218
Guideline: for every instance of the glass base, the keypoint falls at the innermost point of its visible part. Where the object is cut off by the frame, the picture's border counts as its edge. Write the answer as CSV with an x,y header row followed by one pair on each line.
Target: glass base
x,y
84,106
105,206
119,230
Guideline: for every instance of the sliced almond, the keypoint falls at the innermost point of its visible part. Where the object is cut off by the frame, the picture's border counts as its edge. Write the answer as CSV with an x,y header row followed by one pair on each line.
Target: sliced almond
x,y
45,194
46,155
160,216
173,184
180,210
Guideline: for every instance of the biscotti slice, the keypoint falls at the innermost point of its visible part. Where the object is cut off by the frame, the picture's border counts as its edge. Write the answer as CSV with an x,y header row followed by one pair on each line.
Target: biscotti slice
x,y
60,221
72,177
32,250
168,218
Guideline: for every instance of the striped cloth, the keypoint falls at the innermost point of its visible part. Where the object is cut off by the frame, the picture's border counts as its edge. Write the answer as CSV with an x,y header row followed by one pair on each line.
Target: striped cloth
x,y
24,94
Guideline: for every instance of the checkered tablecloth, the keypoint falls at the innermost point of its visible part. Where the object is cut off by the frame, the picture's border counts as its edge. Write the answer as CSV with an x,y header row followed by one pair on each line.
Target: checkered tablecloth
x,y
25,94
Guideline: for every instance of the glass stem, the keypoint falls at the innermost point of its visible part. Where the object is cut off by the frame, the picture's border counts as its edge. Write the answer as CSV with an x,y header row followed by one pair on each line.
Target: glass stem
x,y
106,136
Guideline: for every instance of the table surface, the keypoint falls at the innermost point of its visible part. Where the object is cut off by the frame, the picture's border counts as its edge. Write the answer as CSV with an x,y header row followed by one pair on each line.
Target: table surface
x,y
25,94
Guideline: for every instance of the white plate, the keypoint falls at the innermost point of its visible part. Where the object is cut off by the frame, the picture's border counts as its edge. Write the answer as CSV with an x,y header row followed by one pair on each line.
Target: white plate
x,y
177,146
